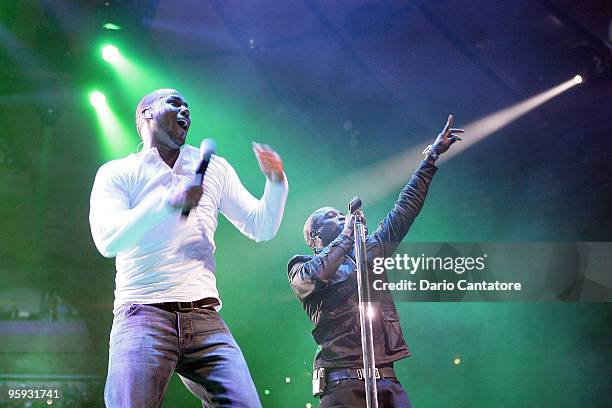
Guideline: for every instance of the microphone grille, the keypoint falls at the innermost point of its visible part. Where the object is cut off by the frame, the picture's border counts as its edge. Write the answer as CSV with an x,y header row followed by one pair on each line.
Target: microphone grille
x,y
207,149
354,205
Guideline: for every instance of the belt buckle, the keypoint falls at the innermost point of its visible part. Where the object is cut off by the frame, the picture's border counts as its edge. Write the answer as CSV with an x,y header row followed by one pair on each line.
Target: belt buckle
x,y
185,309
361,373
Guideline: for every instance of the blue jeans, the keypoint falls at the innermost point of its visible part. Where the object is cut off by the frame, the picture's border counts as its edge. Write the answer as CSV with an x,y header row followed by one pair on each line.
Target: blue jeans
x,y
148,344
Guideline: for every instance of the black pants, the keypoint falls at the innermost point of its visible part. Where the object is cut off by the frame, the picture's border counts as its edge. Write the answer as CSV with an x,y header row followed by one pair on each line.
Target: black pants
x,y
351,394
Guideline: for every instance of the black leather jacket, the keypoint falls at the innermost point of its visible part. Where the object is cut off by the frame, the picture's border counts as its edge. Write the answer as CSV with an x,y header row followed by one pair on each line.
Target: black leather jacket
x,y
332,306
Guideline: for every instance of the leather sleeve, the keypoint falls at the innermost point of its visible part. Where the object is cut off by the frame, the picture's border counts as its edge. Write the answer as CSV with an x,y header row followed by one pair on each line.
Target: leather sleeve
x,y
394,227
307,274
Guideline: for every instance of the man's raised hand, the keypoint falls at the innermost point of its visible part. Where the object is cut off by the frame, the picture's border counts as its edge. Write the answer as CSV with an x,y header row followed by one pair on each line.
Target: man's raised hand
x,y
349,222
269,161
447,137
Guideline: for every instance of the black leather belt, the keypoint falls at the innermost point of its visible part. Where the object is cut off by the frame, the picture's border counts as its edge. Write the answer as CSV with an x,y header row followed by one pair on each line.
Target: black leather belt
x,y
357,373
206,303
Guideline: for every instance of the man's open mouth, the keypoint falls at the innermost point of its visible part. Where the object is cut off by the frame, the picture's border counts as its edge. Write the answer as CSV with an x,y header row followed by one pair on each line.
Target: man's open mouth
x,y
183,124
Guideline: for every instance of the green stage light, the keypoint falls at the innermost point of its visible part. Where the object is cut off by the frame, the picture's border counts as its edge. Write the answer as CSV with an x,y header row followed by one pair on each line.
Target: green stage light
x,y
97,99
115,140
110,54
111,26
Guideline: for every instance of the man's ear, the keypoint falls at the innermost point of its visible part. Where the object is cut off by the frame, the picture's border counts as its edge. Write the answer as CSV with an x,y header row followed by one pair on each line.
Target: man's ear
x,y
147,113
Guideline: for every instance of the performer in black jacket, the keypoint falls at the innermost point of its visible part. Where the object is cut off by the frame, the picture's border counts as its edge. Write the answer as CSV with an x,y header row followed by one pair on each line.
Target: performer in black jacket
x,y
326,285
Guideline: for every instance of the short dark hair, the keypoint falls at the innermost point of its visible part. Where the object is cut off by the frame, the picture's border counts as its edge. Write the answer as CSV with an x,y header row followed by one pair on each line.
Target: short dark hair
x,y
148,100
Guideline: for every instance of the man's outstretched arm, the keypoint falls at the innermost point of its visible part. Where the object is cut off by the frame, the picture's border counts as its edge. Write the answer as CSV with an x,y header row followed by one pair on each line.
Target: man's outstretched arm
x,y
257,219
394,227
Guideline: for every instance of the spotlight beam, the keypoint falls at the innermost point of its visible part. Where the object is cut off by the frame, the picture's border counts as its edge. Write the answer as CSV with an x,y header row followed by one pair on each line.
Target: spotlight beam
x,y
137,78
381,179
111,54
97,100
482,128
116,141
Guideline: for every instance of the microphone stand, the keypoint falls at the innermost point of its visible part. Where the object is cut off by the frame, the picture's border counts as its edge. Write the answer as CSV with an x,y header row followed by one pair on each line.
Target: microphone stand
x,y
366,310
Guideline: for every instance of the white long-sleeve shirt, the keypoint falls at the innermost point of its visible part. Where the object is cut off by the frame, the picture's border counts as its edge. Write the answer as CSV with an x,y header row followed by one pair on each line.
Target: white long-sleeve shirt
x,y
159,256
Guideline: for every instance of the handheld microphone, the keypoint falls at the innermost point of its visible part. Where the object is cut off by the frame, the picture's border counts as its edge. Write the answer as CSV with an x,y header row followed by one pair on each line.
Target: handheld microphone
x,y
207,149
354,205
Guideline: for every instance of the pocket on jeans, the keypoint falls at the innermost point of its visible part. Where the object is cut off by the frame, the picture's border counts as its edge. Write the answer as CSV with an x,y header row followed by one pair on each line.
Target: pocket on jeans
x,y
128,311
211,316
212,313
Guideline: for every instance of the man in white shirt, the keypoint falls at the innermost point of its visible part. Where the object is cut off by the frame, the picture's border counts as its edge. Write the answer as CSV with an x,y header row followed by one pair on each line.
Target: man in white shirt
x,y
166,299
